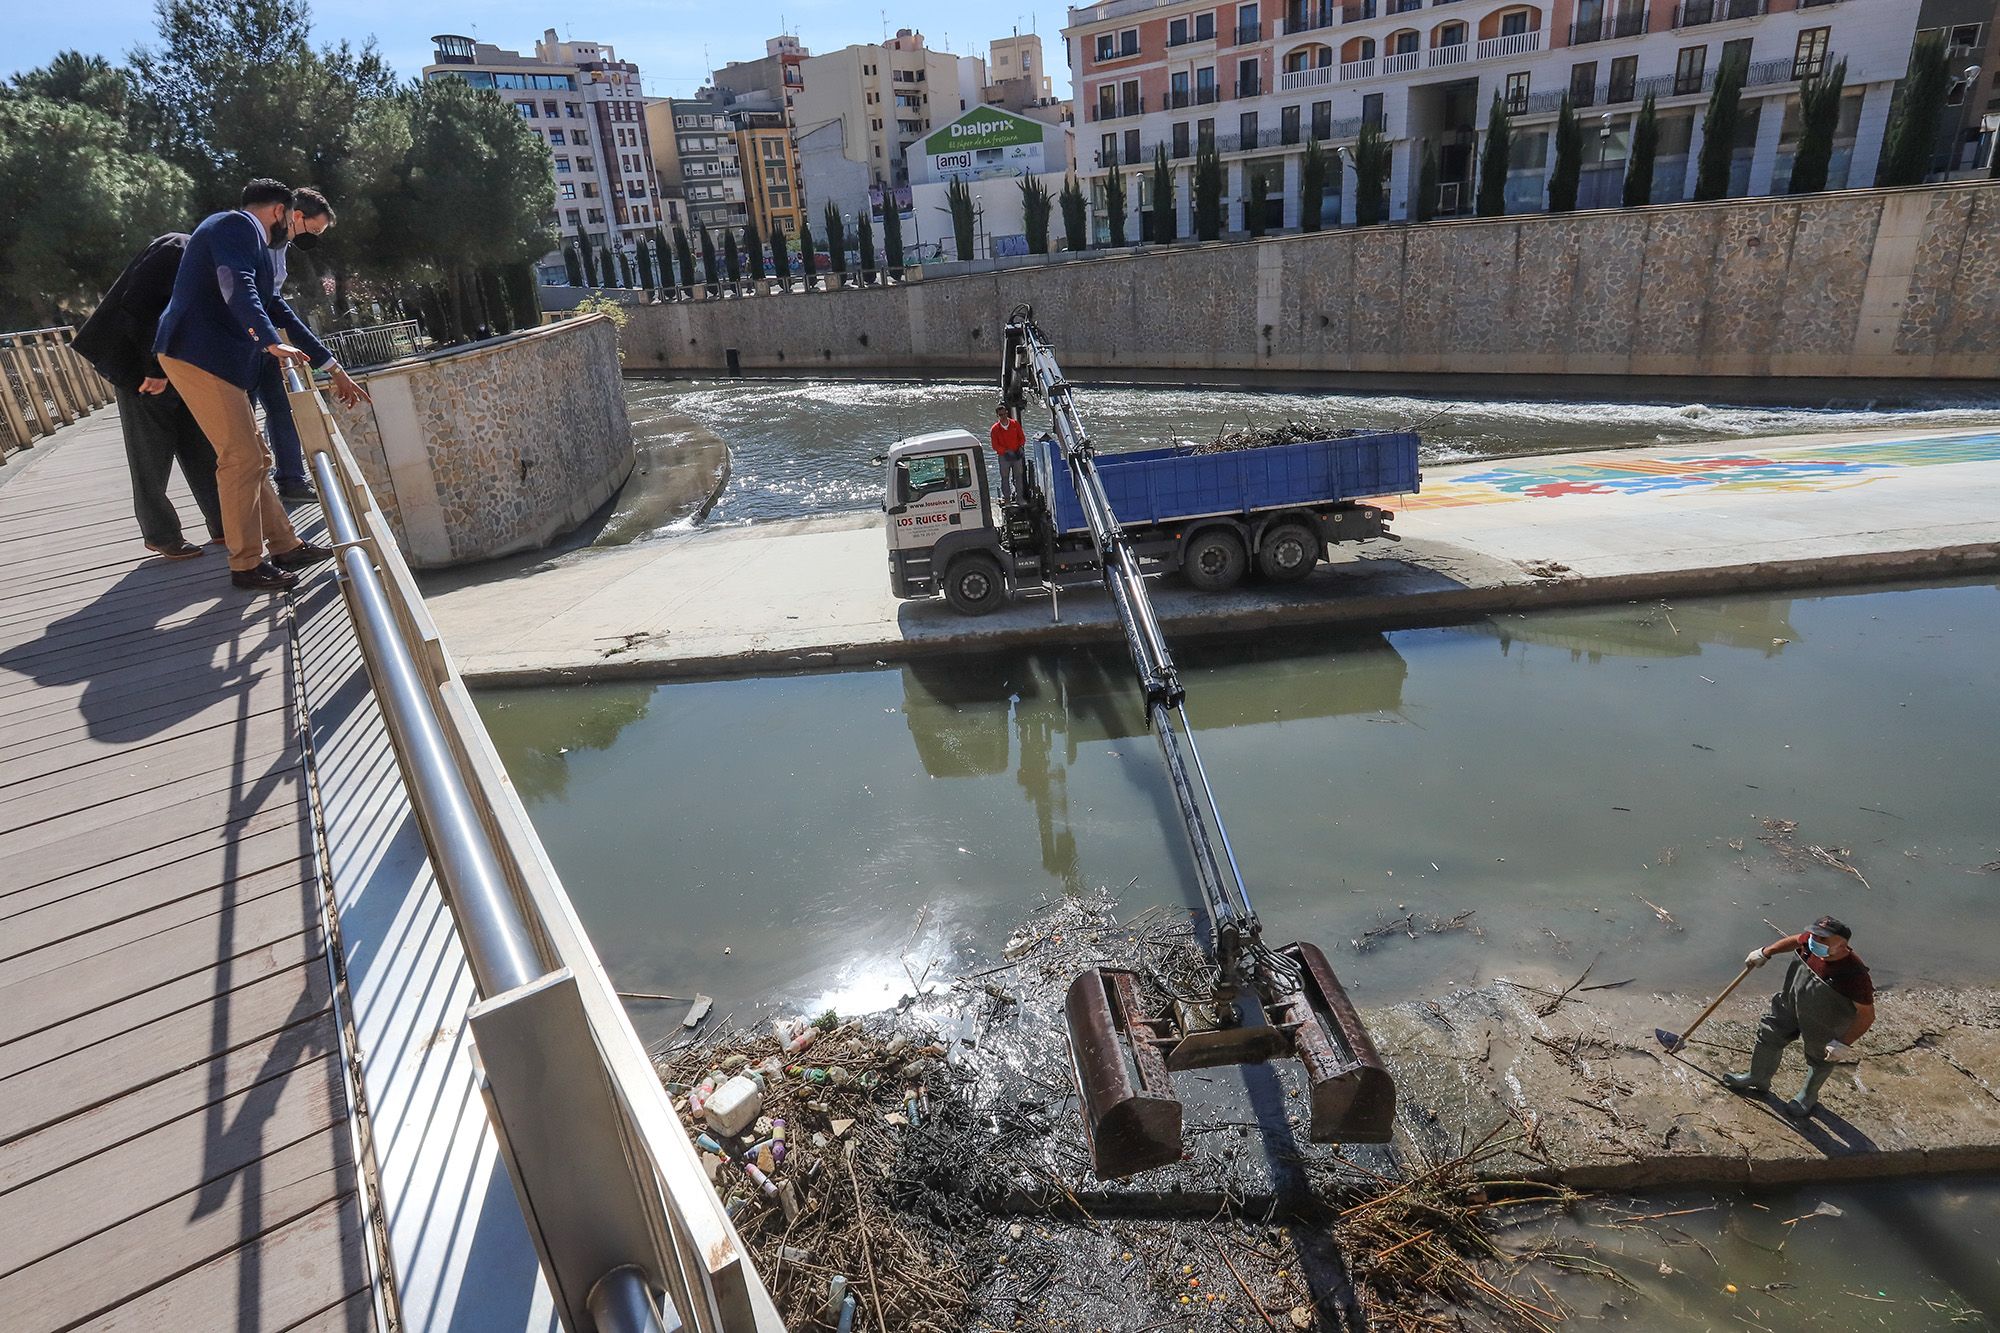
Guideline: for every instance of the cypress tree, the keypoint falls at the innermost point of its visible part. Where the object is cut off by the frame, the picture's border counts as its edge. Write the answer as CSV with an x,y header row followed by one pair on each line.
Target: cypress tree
x,y
1568,169
808,256
864,240
1911,140
1253,209
686,255
1035,210
708,265
1372,156
836,243
753,253
1075,225
781,262
1493,160
1427,183
1718,131
892,237
732,258
588,255
1645,147
1114,205
572,266
1819,117
607,265
645,266
1312,186
958,200
1207,191
1165,223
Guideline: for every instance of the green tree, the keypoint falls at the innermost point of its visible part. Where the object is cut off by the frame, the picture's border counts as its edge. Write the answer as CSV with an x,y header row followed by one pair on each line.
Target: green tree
x,y
607,264
1254,207
958,201
1165,222
1911,140
1312,185
1645,147
732,258
78,204
1719,127
1494,159
663,254
646,267
753,252
1568,169
864,234
684,253
1207,191
1427,183
1114,205
708,264
808,257
572,266
587,258
1076,226
1819,117
781,261
1035,210
836,242
75,79
892,237
1372,156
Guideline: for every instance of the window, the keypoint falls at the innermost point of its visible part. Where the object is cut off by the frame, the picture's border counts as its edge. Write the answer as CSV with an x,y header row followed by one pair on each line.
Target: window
x,y
575,111
1688,69
1204,85
1107,46
527,110
574,218
1248,26
566,189
1131,148
1371,110
1204,133
1738,52
549,110
579,137
1809,57
589,190
1177,95
1177,33
1583,83
1288,125
562,164
1248,82
1180,139
1246,130
1204,27
1129,103
586,164
1451,34
918,477
1128,42
1624,79
1517,94
1322,121
556,138
595,214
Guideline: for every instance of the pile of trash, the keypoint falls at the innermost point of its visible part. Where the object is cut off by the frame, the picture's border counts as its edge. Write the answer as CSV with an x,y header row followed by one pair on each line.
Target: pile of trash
x,y
1290,431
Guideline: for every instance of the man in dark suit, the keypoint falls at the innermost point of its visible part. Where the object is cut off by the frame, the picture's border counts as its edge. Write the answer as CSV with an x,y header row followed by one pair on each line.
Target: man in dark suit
x,y
158,428
222,322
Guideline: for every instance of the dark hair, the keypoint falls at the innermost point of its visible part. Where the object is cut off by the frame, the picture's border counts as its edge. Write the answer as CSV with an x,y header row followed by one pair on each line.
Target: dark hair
x,y
1827,925
311,203
998,408
264,190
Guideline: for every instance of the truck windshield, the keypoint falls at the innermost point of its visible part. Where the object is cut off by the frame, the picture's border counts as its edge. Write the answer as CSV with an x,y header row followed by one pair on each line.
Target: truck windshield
x,y
935,472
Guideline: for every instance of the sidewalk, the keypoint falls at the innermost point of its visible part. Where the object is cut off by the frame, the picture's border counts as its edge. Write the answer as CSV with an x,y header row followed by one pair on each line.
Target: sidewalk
x,y
1513,534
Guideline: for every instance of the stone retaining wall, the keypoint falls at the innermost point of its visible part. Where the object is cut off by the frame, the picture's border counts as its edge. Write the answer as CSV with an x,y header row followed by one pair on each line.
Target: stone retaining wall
x,y
495,448
1865,284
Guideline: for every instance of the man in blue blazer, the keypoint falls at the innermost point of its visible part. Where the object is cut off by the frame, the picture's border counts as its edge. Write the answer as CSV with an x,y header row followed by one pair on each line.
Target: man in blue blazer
x,y
220,325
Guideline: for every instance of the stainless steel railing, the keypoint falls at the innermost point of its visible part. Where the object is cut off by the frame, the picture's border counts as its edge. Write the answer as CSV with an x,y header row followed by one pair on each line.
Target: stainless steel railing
x,y
375,344
44,386
607,1179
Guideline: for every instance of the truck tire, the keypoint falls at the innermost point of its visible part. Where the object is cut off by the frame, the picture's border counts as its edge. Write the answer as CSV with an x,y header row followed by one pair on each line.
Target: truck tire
x,y
1288,553
1215,560
973,585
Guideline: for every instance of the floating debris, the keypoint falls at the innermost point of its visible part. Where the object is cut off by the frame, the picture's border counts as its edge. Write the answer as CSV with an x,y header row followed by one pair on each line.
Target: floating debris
x,y
1291,431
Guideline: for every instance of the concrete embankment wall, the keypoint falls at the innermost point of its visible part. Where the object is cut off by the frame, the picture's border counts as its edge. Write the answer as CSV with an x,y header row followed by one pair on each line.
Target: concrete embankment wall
x,y
1865,284
498,447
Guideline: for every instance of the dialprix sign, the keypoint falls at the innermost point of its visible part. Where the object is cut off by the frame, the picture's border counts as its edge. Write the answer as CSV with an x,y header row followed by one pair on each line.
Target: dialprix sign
x,y
983,127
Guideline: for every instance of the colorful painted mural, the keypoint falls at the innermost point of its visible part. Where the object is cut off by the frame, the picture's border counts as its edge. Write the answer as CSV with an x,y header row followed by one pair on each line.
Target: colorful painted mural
x,y
1803,467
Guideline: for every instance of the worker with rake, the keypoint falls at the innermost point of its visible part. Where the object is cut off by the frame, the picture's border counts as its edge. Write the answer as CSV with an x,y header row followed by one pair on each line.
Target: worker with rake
x,y
1826,1002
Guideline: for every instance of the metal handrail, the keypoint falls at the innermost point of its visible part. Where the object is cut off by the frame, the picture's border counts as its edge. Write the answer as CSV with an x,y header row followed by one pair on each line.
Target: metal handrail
x,y
614,1163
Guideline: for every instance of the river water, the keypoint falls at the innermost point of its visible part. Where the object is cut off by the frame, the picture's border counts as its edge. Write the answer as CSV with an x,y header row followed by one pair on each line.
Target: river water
x,y
826,839
801,447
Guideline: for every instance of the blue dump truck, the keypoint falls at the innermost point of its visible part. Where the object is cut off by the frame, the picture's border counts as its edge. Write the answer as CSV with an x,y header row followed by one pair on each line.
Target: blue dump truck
x,y
1208,515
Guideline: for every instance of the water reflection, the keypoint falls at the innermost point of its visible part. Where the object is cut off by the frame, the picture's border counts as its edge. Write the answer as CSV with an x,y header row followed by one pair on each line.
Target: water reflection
x,y
1654,629
537,738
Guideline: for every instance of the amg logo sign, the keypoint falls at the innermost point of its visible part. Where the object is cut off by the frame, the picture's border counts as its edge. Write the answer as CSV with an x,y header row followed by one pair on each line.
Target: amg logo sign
x,y
954,162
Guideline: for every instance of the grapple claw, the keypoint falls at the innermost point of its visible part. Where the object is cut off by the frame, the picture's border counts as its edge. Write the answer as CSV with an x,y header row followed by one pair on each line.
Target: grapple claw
x,y
1132,1120
1353,1096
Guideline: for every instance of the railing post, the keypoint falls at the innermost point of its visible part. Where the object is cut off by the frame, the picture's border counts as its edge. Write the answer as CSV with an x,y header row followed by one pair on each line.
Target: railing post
x,y
10,404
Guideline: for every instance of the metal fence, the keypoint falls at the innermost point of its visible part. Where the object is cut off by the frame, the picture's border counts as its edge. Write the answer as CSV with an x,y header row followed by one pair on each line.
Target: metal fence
x,y
44,386
611,1188
376,344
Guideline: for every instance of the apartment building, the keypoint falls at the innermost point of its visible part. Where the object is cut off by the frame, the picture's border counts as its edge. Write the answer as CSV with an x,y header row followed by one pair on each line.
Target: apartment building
x,y
860,108
758,96
696,146
586,104
1259,79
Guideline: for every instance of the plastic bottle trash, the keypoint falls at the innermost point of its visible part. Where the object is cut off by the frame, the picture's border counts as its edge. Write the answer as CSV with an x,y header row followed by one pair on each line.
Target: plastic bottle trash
x,y
836,1292
763,1182
708,1144
734,1105
847,1315
778,1140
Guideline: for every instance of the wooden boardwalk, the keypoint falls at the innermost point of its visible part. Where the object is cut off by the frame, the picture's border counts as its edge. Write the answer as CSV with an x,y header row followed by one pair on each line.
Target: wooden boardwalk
x,y
175,1143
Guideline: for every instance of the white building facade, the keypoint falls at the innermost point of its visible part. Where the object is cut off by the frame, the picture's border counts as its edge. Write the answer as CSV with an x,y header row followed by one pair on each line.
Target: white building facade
x,y
1262,79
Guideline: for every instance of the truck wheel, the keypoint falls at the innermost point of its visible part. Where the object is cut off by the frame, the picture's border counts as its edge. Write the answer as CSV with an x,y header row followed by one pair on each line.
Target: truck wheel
x,y
1215,560
973,585
1289,552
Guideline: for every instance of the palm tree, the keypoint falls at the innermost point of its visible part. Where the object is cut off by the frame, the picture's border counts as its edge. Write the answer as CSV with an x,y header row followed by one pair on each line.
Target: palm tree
x,y
1911,140
1819,116
1075,226
1645,146
1718,130
1114,205
1493,161
1568,169
1312,185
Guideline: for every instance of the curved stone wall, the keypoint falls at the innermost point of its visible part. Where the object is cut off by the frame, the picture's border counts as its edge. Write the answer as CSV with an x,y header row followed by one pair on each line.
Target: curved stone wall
x,y
1889,284
495,448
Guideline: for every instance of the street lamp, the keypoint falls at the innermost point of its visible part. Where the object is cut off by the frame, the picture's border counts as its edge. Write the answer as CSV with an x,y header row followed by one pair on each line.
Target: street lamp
x,y
1603,153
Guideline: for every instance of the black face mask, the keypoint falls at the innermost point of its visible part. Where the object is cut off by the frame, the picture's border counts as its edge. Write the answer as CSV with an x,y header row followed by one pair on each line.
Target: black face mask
x,y
305,240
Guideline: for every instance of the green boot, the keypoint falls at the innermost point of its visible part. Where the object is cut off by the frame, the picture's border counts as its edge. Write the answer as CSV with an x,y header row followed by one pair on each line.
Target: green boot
x,y
1803,1105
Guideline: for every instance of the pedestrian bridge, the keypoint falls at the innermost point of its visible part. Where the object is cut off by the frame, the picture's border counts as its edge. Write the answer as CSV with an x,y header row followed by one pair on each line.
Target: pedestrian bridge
x,y
298,1028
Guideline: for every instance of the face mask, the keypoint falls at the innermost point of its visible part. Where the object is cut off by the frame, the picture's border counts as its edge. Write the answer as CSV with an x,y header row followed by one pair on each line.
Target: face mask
x,y
305,240
1817,947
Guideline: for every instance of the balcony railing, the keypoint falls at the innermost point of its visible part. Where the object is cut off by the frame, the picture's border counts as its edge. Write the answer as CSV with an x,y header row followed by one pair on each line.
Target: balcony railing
x,y
1357,13
1118,110
1293,24
1249,88
1402,63
1604,27
1455,54
1276,137
1247,33
1294,79
1514,44
1357,69
1763,74
1204,95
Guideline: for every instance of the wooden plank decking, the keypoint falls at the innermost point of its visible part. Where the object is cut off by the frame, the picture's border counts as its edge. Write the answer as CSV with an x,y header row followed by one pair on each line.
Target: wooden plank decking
x,y
175,1147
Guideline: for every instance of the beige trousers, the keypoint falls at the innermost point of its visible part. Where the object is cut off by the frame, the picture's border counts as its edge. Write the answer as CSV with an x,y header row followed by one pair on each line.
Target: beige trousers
x,y
252,515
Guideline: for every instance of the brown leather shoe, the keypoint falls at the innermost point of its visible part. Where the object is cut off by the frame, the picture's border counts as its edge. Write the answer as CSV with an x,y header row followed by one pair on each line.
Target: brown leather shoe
x,y
305,553
180,550
266,577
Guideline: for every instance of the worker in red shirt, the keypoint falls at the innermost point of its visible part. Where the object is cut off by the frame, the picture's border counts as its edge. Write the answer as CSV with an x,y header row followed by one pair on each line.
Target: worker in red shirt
x,y
1008,441
1826,1003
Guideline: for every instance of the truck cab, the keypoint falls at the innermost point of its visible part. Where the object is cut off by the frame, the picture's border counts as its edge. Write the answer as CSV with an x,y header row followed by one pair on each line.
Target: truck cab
x,y
937,506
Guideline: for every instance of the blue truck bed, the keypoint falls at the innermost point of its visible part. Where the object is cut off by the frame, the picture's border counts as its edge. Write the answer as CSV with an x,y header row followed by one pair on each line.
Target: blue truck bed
x,y
1170,485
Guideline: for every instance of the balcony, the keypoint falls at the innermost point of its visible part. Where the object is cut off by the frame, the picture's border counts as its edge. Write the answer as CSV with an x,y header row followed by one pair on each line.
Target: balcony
x,y
1249,88
1206,94
1405,62
1455,54
1357,13
1319,76
1694,13
1515,44
1302,21
1246,33
1357,69
1605,27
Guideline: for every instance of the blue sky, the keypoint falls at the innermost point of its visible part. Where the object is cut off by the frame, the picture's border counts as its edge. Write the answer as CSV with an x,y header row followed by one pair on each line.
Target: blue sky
x,y
674,42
